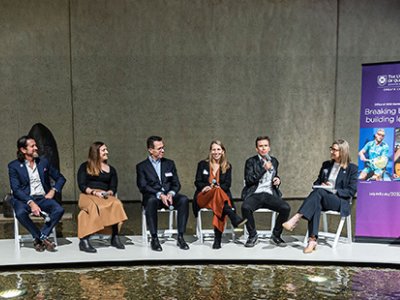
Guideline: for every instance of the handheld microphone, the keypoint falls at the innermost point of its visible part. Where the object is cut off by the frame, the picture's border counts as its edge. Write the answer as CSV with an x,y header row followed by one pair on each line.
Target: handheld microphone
x,y
214,182
267,157
105,195
45,216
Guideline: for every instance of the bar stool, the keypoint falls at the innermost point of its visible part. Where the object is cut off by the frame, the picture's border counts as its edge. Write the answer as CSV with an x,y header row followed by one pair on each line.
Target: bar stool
x,y
20,239
263,233
330,235
209,233
172,214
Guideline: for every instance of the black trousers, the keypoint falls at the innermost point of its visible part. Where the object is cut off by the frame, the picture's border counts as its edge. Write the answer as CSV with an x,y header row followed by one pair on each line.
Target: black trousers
x,y
265,200
180,203
319,200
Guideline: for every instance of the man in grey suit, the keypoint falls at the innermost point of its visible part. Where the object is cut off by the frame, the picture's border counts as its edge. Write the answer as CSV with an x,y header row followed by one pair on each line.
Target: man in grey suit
x,y
158,181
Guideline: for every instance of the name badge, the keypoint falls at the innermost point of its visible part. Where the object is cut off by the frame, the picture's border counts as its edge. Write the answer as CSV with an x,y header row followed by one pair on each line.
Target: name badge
x,y
205,172
168,174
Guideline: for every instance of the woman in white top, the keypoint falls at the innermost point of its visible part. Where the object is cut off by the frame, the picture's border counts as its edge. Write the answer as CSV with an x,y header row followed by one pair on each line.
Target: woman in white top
x,y
335,186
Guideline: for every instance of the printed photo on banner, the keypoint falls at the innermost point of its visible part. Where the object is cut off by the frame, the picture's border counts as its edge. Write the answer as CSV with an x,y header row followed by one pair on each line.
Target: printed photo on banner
x,y
375,158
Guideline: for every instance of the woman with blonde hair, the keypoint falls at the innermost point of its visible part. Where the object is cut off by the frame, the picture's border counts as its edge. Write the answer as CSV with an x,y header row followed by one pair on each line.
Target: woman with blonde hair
x,y
335,186
213,182
100,209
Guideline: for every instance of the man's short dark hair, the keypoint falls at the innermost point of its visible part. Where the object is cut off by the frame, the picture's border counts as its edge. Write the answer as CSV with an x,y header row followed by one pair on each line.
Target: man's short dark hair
x,y
22,143
152,139
260,138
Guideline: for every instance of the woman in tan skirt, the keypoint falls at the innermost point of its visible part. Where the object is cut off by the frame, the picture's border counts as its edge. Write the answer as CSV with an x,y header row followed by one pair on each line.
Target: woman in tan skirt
x,y
213,182
100,208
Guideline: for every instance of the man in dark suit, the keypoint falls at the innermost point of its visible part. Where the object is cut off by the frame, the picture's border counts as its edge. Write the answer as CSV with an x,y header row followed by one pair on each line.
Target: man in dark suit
x,y
33,193
262,191
157,180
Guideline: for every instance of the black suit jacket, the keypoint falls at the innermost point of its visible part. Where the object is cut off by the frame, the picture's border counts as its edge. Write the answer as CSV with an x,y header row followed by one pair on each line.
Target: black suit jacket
x,y
346,183
253,172
201,181
148,182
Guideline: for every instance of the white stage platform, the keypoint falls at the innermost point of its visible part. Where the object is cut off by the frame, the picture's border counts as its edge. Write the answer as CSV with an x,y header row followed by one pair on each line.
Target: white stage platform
x,y
264,252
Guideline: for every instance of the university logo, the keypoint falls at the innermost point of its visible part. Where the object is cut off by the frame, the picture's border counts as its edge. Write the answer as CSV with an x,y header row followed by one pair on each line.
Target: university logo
x,y
381,80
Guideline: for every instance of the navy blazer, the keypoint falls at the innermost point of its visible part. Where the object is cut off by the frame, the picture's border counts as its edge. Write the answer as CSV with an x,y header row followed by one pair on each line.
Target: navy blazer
x,y
346,183
19,178
202,180
148,182
253,171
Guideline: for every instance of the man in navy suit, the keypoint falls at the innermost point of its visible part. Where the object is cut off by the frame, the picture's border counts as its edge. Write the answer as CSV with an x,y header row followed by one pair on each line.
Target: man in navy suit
x,y
157,180
33,192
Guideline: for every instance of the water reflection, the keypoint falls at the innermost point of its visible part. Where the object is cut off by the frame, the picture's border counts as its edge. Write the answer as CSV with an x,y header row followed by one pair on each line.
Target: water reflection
x,y
383,284
207,282
106,286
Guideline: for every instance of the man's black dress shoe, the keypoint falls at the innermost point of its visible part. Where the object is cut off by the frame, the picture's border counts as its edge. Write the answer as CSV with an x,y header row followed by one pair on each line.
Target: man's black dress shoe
x,y
181,243
116,242
84,245
251,241
277,240
155,244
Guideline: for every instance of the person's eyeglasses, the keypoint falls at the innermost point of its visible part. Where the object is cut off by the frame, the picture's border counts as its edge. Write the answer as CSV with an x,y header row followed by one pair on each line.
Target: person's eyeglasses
x,y
380,134
333,149
159,149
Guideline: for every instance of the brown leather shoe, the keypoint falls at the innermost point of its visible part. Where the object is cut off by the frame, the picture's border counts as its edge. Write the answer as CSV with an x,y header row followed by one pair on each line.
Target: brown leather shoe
x,y
49,245
38,245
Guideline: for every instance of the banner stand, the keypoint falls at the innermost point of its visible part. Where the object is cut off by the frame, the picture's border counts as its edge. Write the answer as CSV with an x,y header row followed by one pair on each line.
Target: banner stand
x,y
378,193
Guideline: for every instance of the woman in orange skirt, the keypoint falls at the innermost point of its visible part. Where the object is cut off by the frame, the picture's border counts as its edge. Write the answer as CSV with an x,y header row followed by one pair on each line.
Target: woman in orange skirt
x,y
100,209
213,182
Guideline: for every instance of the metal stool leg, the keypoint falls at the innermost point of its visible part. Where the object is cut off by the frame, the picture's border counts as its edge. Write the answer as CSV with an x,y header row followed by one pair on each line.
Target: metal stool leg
x,y
338,232
16,232
349,233
144,228
200,227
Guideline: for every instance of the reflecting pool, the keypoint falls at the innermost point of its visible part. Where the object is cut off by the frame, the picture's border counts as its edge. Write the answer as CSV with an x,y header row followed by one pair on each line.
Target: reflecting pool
x,y
206,282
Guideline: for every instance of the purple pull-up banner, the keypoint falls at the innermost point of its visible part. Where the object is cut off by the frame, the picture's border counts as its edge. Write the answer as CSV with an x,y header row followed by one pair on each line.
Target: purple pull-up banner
x,y
378,195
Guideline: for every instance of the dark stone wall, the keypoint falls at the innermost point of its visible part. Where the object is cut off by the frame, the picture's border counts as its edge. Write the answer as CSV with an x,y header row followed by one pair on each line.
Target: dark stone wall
x,y
190,71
